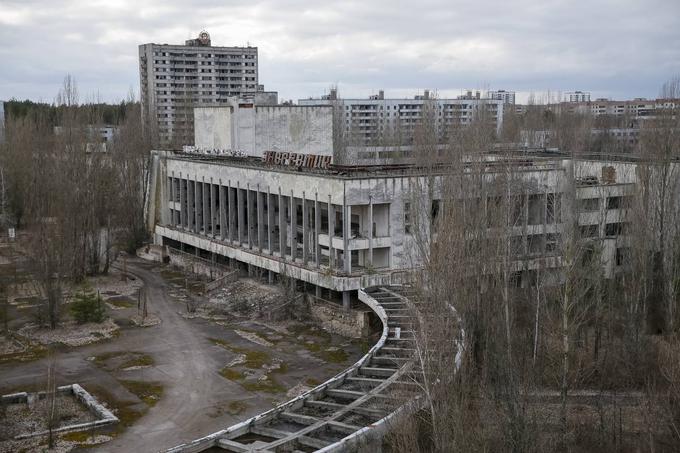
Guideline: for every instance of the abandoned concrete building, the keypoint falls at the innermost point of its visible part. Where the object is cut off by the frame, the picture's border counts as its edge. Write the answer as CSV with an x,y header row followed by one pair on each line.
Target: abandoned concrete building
x,y
260,190
175,78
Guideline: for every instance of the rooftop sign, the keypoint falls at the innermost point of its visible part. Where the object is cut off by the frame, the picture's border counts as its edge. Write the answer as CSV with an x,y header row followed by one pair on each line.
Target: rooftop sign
x,y
296,159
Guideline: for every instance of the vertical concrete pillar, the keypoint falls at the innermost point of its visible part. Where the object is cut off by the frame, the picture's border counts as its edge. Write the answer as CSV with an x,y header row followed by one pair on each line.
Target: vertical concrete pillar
x,y
305,226
233,211
197,206
331,233
370,230
347,229
346,301
213,198
241,213
182,202
317,230
260,218
293,227
206,207
282,226
223,211
172,209
318,291
190,204
249,216
270,221
270,277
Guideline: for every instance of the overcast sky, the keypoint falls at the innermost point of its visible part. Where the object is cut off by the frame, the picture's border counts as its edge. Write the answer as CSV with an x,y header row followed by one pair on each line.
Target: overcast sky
x,y
612,48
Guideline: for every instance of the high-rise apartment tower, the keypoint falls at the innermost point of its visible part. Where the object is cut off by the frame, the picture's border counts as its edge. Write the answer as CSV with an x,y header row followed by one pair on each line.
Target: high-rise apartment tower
x,y
177,78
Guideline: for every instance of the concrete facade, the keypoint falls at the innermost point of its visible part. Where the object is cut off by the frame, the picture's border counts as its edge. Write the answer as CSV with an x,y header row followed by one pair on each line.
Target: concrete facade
x,y
334,230
252,130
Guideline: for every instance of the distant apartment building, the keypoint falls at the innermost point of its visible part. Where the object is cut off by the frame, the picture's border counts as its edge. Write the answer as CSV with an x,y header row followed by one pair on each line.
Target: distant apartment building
x,y
578,96
508,97
177,78
377,120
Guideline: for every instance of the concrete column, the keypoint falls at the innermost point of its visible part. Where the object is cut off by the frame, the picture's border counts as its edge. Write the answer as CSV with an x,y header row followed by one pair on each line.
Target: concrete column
x,y
331,232
347,228
270,277
317,230
346,301
293,227
172,199
305,226
282,226
182,202
214,210
241,213
233,211
197,207
205,203
318,291
370,231
270,221
249,217
260,218
190,203
223,211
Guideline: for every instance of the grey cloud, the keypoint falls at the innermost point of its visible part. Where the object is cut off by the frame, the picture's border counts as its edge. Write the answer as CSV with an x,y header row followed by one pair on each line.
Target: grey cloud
x,y
617,48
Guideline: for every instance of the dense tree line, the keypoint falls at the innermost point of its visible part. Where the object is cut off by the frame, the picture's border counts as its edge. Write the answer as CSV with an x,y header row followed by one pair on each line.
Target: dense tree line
x,y
109,114
530,348
74,203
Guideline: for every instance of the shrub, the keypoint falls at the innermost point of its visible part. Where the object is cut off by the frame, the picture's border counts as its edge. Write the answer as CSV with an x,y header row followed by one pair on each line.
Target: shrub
x,y
87,307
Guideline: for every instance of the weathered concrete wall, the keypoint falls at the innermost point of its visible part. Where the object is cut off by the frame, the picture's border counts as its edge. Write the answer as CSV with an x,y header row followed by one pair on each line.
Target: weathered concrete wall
x,y
352,323
307,130
212,127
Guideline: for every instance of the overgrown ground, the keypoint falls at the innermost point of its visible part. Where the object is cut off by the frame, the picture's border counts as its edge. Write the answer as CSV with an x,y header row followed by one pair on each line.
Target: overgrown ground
x,y
167,382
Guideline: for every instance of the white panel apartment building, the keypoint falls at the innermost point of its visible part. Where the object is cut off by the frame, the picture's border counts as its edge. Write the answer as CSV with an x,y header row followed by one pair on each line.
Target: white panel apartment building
x,y
376,120
176,78
508,97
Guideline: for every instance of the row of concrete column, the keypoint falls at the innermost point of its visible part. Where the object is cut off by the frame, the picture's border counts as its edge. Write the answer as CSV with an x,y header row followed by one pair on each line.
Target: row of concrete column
x,y
258,219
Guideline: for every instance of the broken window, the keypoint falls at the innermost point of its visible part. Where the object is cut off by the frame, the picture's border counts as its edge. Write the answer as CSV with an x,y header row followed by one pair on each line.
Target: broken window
x,y
589,204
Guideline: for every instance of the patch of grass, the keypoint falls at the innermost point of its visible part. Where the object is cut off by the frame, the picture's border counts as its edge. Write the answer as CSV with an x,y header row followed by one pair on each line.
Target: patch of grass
x,y
231,374
149,392
254,359
135,359
335,356
120,303
123,409
312,382
32,353
140,360
237,407
77,436
312,347
268,385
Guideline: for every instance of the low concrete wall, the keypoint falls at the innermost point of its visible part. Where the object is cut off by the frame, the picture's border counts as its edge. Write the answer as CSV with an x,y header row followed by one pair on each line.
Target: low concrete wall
x,y
335,319
105,416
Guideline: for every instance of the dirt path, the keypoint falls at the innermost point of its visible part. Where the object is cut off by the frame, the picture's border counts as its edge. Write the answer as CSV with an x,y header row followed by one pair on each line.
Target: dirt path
x,y
192,385
196,399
